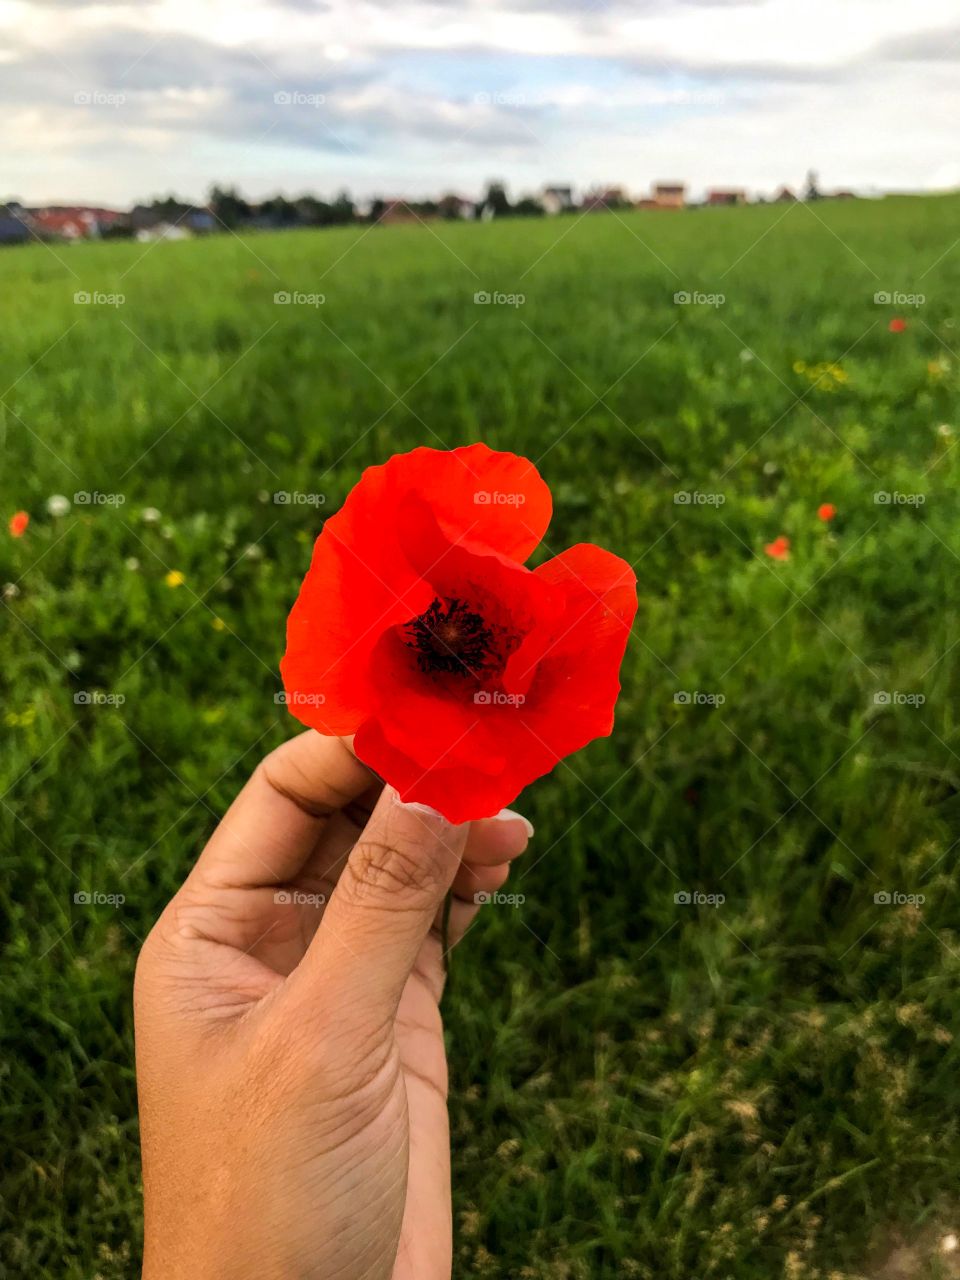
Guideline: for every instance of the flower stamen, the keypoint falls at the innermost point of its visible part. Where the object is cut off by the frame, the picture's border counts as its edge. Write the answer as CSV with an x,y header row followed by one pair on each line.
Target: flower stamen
x,y
449,637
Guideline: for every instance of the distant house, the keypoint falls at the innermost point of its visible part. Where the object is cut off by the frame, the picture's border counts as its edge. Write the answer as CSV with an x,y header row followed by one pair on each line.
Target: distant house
x,y
557,199
164,231
842,195
395,211
171,221
785,196
13,230
200,221
64,224
452,206
605,198
669,195
722,196
142,217
76,222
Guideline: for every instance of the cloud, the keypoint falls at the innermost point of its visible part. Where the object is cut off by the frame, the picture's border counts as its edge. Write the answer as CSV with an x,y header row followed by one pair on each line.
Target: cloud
x,y
413,95
924,46
186,86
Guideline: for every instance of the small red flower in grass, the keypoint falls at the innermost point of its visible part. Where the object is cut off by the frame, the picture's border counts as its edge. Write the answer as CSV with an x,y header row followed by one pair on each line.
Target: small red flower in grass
x,y
463,674
779,548
18,524
826,511
897,324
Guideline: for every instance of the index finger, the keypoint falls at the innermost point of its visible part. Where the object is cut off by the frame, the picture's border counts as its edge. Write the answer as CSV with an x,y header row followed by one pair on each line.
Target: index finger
x,y
275,822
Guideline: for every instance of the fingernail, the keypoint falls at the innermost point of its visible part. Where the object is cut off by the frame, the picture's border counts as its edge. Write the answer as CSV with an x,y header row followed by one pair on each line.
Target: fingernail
x,y
414,806
511,815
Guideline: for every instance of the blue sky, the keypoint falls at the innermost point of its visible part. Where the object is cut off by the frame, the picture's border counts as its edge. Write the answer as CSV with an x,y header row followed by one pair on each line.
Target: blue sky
x,y
120,101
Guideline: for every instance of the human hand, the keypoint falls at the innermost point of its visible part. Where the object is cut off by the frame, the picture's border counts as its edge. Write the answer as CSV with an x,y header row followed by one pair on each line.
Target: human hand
x,y
290,1059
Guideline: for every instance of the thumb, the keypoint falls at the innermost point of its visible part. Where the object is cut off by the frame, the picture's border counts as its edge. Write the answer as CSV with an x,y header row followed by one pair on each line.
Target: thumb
x,y
382,908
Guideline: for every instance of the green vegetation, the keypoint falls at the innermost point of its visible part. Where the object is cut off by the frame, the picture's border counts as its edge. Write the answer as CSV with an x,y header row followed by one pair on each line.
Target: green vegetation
x,y
641,1087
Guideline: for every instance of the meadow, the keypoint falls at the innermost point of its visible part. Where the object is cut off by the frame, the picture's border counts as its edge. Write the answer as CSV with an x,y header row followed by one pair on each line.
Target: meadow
x,y
718,1037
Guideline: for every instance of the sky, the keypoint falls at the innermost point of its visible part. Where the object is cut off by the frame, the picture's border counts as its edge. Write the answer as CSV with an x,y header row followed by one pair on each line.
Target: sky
x,y
116,102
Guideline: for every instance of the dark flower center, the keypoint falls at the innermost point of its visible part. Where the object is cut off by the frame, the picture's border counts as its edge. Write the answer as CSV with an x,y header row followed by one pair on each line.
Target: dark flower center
x,y
450,637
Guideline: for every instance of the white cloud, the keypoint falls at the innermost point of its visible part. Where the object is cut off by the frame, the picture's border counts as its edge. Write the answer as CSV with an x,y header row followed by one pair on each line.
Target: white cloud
x,y
421,96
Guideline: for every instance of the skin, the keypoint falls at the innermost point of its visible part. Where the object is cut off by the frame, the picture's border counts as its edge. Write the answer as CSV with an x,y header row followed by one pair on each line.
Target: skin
x,y
290,1060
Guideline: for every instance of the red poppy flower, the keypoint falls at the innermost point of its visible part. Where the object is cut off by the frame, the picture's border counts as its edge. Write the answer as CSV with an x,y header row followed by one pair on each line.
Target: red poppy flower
x,y
897,325
826,511
779,548
18,524
463,674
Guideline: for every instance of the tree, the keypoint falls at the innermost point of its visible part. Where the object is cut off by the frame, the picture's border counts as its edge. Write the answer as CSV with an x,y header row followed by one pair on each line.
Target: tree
x,y
342,209
496,199
813,191
228,206
528,207
279,212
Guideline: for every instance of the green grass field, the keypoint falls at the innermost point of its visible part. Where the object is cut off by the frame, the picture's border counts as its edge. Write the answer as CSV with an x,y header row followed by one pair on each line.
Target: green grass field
x,y
642,1087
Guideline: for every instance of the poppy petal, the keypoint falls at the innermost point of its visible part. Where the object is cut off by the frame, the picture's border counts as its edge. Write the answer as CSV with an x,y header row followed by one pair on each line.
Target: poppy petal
x,y
495,499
